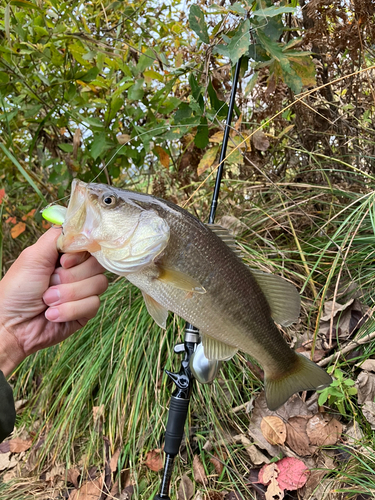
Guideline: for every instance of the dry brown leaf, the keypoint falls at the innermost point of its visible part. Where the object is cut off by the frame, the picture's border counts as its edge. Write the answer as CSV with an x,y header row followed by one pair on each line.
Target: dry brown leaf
x,y
91,490
296,436
9,475
256,456
154,460
76,142
368,410
207,160
346,318
217,463
17,229
268,476
273,429
365,385
6,462
260,141
163,156
72,476
57,472
368,365
123,138
323,432
186,488
18,445
232,224
199,472
114,460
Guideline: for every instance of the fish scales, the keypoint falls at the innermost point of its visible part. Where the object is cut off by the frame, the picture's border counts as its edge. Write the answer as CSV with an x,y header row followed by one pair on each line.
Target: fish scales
x,y
183,266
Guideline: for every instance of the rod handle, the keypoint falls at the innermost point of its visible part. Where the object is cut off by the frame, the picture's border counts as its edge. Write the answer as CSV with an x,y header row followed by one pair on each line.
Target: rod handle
x,y
178,409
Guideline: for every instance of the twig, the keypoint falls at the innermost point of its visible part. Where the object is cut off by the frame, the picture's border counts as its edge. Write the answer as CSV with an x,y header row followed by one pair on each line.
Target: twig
x,y
352,345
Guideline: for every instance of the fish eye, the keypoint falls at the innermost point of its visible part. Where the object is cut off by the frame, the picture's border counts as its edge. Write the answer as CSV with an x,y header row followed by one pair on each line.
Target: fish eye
x,y
109,200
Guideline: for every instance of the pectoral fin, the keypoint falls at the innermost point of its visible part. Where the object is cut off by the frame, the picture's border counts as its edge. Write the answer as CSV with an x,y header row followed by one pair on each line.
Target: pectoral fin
x,y
156,311
180,280
282,297
213,349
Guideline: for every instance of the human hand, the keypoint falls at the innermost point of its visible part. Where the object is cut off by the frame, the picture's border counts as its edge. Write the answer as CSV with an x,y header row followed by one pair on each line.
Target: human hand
x,y
41,304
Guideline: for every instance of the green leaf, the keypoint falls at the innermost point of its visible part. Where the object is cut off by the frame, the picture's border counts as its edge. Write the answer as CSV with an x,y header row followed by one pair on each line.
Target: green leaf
x,y
145,61
67,148
90,75
25,4
198,24
323,396
136,92
239,43
98,146
274,11
201,137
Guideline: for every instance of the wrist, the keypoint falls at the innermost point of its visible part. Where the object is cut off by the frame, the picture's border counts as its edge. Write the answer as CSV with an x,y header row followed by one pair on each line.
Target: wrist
x,y
11,354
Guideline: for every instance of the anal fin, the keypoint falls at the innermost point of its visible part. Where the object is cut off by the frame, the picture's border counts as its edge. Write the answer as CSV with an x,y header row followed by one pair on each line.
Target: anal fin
x,y
156,311
214,349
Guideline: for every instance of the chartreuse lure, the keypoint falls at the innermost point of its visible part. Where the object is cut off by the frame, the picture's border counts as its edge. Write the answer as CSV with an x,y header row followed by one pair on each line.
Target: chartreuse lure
x,y
54,214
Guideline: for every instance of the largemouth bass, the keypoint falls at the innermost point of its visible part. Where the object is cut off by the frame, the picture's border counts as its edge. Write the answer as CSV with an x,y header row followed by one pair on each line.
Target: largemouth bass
x,y
184,266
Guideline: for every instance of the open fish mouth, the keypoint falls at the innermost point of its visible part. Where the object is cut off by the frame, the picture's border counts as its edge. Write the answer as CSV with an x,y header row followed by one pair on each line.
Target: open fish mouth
x,y
80,221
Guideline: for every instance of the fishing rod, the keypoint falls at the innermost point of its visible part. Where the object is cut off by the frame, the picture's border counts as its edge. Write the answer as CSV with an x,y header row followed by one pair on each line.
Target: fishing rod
x,y
194,364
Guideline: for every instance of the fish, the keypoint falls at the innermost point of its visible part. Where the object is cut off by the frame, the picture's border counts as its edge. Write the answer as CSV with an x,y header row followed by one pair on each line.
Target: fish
x,y
194,270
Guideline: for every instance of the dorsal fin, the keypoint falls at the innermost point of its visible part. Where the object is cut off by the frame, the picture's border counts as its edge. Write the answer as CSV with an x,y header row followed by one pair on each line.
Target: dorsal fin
x,y
225,236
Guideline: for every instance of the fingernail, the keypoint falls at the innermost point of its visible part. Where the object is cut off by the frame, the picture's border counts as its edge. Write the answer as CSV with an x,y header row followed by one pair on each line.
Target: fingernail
x,y
55,279
51,296
52,313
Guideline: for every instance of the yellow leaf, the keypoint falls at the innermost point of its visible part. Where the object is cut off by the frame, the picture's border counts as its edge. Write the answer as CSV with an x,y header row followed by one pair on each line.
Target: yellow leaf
x,y
218,137
207,160
17,229
163,156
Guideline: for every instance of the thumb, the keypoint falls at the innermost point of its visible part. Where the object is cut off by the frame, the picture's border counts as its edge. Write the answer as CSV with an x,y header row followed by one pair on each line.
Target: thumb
x,y
44,251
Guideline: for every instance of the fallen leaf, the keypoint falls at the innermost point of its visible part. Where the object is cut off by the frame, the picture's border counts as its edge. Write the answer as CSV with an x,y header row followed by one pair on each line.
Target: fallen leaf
x,y
72,476
186,488
114,460
11,220
2,194
18,445
323,432
5,447
207,160
346,318
353,433
199,472
365,385
46,224
57,472
273,429
18,229
260,141
123,138
91,490
9,475
217,463
268,476
163,156
296,436
368,410
154,460
368,365
6,462
293,473
232,224
256,456
29,214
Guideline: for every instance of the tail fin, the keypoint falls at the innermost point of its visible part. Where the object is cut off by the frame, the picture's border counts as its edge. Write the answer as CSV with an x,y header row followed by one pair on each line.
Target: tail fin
x,y
305,375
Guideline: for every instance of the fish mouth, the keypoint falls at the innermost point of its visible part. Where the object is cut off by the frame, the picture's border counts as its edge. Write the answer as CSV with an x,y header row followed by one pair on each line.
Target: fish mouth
x,y
80,220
